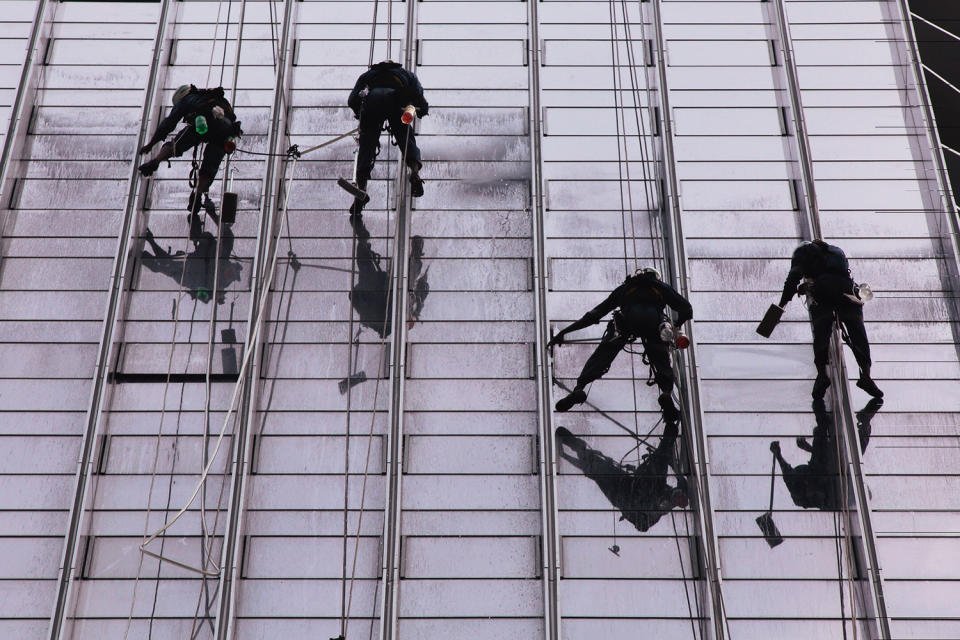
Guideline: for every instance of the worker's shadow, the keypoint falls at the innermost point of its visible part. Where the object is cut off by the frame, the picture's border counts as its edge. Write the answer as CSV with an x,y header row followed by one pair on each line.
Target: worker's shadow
x,y
370,293
641,493
197,267
816,484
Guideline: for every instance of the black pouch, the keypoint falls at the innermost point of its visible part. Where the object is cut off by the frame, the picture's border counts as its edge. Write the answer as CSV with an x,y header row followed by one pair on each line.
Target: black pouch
x,y
228,208
770,320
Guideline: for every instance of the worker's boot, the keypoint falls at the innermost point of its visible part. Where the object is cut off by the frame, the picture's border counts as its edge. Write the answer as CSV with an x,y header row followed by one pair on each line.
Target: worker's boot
x,y
577,396
416,184
148,167
867,384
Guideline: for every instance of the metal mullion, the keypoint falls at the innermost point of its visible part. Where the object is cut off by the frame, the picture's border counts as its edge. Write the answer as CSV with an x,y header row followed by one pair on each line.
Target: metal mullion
x,y
113,315
273,185
547,464
936,145
676,261
391,560
24,98
842,401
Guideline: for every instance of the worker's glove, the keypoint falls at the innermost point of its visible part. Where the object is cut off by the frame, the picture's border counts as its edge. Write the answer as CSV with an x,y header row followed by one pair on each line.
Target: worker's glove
x,y
423,112
146,148
556,340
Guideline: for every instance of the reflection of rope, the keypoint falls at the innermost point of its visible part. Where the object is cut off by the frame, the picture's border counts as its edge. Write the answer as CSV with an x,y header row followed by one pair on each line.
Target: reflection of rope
x,y
683,572
848,537
839,549
345,610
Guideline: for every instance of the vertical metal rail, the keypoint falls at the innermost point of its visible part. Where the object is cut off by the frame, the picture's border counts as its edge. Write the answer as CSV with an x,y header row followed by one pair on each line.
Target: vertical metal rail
x,y
392,525
808,206
843,406
546,449
119,283
676,261
929,124
232,551
23,101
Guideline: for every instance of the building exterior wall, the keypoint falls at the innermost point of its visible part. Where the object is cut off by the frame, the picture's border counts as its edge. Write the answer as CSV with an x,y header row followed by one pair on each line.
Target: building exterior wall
x,y
568,143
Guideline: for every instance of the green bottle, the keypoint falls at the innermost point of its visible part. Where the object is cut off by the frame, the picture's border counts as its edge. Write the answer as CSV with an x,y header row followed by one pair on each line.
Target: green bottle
x,y
200,124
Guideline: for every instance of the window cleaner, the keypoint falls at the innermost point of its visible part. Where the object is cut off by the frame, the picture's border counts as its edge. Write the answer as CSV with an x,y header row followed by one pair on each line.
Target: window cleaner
x,y
385,93
642,300
210,119
820,271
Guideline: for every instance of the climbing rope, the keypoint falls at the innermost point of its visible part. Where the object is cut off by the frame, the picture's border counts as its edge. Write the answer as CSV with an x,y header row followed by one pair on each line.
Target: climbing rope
x,y
346,585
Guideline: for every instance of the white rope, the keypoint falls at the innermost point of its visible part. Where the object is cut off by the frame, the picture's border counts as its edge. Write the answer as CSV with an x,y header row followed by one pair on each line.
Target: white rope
x,y
251,340
935,26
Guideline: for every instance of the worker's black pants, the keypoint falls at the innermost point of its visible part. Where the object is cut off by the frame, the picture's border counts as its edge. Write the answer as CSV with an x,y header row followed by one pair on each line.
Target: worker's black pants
x,y
851,320
371,123
188,138
612,342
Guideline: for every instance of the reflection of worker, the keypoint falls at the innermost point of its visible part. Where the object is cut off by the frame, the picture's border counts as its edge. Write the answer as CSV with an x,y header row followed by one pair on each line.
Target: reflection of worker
x,y
816,484
641,493
642,300
371,294
197,267
826,279
209,118
379,96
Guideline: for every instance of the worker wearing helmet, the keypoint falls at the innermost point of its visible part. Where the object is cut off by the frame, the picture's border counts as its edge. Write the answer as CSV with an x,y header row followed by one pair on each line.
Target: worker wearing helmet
x,y
380,95
642,300
821,272
210,119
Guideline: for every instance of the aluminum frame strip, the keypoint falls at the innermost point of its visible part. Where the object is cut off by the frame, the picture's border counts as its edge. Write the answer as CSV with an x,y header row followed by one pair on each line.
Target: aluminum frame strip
x,y
675,257
843,407
391,550
27,87
232,553
546,445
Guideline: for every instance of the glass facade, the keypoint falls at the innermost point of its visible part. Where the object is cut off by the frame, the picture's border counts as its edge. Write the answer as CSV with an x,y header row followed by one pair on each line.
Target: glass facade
x,y
327,425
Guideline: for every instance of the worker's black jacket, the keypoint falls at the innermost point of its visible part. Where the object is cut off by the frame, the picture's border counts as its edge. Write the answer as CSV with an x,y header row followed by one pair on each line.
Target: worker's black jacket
x,y
199,102
826,265
389,75
642,299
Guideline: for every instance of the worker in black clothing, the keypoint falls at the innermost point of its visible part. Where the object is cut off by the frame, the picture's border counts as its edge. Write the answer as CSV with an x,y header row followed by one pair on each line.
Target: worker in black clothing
x,y
641,493
210,119
642,300
816,484
381,94
821,272
196,269
371,294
